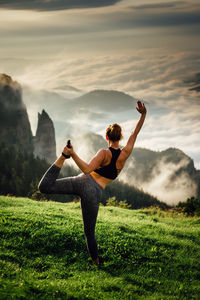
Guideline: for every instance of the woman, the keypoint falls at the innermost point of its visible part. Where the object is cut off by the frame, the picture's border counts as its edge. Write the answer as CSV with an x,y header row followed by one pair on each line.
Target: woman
x,y
100,171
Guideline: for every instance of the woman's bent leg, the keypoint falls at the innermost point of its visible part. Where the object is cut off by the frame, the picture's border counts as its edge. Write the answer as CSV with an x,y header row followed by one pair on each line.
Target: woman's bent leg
x,y
49,183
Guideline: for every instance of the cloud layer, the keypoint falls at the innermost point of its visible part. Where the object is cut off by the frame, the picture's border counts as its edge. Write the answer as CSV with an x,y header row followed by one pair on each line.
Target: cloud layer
x,y
159,5
115,27
54,4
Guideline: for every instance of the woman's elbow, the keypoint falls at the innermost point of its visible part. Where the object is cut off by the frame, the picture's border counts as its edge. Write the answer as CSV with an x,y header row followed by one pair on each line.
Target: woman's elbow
x,y
87,170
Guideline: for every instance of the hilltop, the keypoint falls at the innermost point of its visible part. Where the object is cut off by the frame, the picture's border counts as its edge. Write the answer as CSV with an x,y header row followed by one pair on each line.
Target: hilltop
x,y
144,254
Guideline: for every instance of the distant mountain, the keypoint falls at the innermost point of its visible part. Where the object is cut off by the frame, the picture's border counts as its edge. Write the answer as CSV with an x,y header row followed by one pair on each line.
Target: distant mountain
x,y
105,100
42,99
94,141
92,103
67,88
169,175
150,159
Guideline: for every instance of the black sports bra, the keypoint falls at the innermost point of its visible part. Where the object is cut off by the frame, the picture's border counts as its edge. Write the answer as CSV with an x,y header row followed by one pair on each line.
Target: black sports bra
x,y
110,171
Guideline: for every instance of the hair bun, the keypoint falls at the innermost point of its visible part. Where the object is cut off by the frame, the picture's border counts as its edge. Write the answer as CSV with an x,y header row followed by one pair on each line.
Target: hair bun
x,y
114,132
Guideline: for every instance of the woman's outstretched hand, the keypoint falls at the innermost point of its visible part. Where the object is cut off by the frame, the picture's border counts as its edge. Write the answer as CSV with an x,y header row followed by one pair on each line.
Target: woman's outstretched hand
x,y
141,108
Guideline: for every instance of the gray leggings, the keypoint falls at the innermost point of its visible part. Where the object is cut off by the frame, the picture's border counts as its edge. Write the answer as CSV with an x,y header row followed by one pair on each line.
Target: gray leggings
x,y
90,193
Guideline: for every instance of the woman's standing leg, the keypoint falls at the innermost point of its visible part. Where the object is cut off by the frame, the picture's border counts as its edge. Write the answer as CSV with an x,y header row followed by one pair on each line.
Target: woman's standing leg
x,y
90,198
89,213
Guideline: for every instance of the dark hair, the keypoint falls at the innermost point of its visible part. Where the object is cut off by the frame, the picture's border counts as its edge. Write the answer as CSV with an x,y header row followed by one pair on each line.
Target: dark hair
x,y
114,132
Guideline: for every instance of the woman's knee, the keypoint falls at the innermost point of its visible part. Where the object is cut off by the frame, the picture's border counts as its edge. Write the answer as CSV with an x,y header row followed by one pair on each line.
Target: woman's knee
x,y
43,188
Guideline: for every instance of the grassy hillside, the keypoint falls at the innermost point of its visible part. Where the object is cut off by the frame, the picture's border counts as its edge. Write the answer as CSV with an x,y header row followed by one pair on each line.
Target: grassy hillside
x,y
145,254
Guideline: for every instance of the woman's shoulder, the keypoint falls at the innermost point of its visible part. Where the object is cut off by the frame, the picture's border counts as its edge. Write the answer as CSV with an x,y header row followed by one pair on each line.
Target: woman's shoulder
x,y
103,153
123,155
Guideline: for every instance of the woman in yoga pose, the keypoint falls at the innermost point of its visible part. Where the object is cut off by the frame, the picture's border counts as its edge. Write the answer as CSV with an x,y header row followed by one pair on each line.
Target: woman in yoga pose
x,y
100,171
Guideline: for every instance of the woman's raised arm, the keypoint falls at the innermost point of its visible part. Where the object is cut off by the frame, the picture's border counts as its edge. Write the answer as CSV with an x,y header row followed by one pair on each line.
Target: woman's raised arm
x,y
131,141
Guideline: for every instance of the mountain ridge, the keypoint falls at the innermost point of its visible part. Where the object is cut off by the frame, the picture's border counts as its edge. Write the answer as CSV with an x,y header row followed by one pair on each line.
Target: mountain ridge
x,y
105,100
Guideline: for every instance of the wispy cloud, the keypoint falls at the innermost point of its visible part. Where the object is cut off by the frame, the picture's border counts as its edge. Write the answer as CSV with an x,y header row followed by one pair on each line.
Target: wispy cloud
x,y
159,5
43,5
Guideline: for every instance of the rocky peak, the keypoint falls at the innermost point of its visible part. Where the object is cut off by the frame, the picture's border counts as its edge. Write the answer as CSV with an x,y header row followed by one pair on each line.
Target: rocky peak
x,y
6,80
14,122
45,143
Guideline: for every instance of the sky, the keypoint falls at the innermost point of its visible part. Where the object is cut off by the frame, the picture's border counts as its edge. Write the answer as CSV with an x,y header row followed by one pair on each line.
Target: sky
x,y
147,49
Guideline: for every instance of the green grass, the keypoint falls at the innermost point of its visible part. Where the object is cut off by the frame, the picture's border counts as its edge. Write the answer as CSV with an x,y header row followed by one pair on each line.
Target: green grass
x,y
145,254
